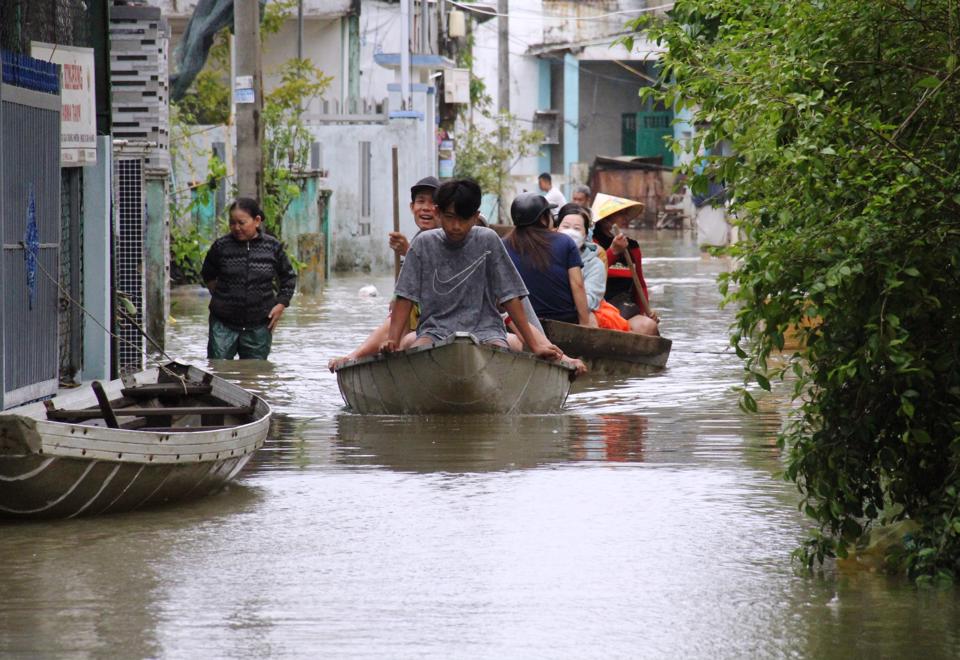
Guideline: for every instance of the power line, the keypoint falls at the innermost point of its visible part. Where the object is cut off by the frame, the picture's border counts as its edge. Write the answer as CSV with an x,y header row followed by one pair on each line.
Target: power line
x,y
513,15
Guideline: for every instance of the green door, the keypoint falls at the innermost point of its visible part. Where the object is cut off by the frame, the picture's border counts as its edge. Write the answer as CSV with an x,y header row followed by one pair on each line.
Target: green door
x,y
628,134
643,134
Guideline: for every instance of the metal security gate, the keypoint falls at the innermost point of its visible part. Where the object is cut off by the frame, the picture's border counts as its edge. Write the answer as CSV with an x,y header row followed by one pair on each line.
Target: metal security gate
x,y
128,261
29,225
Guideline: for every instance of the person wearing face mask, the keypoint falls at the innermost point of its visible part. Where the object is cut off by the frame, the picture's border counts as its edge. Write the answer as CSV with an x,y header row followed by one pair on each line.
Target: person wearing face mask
x,y
574,221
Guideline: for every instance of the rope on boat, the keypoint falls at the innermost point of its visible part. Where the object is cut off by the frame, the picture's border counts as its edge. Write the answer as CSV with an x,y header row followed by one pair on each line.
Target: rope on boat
x,y
149,358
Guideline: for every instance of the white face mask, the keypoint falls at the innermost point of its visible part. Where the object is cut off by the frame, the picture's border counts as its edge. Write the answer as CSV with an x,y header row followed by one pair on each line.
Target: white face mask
x,y
577,237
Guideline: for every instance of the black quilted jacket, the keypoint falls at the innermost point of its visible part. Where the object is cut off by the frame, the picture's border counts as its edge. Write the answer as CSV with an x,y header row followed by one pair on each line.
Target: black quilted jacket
x,y
252,276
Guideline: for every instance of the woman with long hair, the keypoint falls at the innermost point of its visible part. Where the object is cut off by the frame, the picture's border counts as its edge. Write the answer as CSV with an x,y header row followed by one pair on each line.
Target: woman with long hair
x,y
548,262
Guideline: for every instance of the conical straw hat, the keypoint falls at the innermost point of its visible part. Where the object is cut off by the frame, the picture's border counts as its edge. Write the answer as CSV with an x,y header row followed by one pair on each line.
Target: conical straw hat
x,y
605,205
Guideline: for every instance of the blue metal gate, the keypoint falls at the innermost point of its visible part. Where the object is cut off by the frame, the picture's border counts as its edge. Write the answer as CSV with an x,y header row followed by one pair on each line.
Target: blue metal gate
x,y
29,225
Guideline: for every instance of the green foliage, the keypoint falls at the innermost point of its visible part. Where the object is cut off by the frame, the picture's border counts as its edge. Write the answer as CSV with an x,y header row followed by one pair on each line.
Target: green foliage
x,y
489,155
275,13
287,144
188,247
208,101
209,98
286,140
846,190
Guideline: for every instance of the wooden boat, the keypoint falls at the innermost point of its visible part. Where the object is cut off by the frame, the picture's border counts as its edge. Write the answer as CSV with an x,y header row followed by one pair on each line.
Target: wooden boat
x,y
610,352
164,434
457,375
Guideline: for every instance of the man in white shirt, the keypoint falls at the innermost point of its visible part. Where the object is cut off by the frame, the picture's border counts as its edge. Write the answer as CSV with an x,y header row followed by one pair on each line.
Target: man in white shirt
x,y
553,195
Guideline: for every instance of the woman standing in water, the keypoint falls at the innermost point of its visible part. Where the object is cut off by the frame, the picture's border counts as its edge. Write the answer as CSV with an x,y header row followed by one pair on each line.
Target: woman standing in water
x,y
251,282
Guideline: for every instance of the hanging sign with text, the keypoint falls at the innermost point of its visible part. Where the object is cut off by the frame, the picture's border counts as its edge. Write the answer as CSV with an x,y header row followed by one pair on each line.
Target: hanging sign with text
x,y
78,101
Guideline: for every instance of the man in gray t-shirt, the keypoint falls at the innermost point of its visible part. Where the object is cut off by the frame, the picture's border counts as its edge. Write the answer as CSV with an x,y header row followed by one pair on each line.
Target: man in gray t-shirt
x,y
460,285
460,275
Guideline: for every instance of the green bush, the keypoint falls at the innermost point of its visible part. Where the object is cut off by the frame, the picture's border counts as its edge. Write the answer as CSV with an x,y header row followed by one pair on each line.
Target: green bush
x,y
842,120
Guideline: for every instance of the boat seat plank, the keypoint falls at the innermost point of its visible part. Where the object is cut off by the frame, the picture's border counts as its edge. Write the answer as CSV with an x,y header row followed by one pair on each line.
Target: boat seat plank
x,y
96,413
106,410
183,429
151,390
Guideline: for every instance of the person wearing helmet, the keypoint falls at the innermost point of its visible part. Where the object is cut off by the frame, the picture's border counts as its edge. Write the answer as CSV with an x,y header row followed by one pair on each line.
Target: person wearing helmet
x,y
460,275
548,262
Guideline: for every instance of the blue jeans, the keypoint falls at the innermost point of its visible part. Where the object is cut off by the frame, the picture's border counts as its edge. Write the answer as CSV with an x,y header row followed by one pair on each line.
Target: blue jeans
x,y
224,342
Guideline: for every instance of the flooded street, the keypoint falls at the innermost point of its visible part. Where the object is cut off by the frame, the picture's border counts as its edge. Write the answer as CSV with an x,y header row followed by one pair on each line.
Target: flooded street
x,y
647,521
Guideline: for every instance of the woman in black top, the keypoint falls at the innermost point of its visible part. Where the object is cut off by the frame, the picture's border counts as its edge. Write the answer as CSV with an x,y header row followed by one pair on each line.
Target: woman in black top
x,y
251,282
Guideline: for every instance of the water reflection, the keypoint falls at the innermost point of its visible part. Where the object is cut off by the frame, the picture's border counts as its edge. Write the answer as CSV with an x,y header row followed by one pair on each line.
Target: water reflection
x,y
608,437
481,444
648,520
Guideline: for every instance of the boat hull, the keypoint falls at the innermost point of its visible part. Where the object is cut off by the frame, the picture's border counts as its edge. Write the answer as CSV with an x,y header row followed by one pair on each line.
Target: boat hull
x,y
52,469
57,487
609,352
459,376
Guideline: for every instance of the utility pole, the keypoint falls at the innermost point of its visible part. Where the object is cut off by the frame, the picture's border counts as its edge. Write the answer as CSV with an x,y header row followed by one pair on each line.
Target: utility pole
x,y
503,97
300,30
503,51
405,18
248,93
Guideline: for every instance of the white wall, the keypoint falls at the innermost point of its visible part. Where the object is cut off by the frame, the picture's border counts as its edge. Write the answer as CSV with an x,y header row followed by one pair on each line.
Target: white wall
x,y
321,45
538,22
526,29
341,149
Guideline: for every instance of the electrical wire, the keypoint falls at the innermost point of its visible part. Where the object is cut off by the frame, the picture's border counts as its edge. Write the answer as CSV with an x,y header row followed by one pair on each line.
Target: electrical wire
x,y
483,10
66,294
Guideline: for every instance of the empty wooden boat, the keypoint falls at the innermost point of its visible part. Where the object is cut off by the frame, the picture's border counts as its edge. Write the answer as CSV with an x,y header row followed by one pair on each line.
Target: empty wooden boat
x,y
610,352
458,375
164,434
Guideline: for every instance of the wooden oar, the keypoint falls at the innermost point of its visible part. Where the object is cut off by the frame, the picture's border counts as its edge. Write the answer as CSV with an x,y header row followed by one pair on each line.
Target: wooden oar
x,y
636,278
396,211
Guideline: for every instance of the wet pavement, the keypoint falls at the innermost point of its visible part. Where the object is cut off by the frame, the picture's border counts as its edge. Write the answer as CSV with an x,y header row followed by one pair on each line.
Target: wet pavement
x,y
648,521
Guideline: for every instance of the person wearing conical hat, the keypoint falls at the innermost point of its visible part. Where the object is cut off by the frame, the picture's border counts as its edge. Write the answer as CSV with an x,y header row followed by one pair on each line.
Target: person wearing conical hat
x,y
609,211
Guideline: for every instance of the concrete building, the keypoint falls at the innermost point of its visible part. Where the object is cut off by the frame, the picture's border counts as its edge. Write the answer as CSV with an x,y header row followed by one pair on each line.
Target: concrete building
x,y
56,180
568,76
357,120
568,71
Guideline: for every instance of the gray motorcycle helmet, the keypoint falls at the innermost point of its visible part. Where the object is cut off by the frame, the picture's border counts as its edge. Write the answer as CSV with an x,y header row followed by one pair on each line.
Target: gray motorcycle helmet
x,y
528,207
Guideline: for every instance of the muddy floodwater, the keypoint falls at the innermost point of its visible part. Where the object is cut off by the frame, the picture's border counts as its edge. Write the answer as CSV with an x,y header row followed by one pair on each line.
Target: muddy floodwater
x,y
647,521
